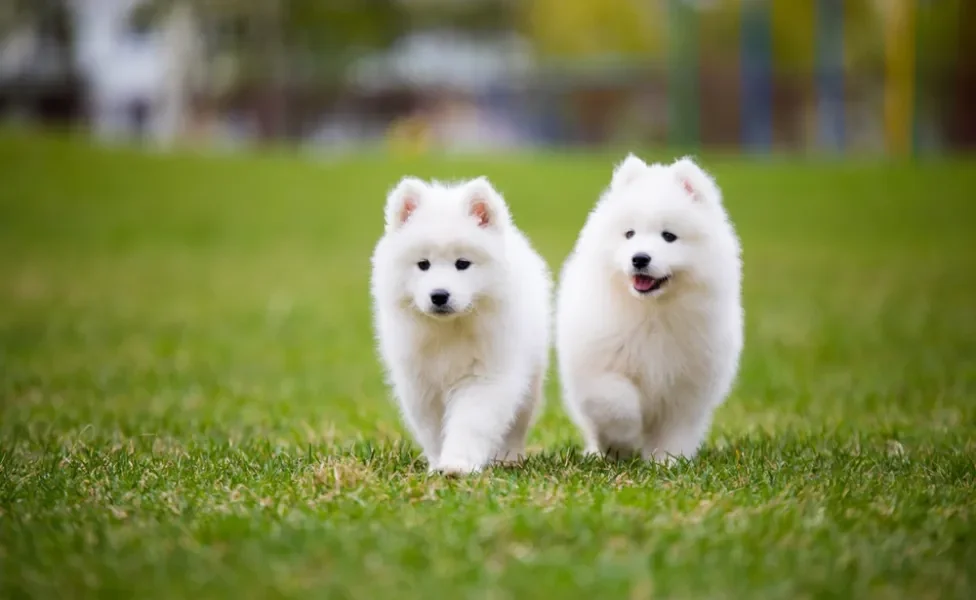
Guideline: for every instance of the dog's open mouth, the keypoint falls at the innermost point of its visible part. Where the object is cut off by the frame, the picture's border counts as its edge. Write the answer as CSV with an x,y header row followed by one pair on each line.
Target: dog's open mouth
x,y
645,284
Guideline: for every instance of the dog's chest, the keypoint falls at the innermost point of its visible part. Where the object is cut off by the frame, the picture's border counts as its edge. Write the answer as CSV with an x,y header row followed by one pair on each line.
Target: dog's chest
x,y
658,355
451,357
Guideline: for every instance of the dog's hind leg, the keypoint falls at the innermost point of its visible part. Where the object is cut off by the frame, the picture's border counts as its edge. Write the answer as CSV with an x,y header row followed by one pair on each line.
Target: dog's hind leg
x,y
611,406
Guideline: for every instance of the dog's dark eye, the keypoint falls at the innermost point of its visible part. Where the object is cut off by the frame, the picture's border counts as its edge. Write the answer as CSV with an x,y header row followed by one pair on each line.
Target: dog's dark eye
x,y
423,265
668,236
629,234
462,264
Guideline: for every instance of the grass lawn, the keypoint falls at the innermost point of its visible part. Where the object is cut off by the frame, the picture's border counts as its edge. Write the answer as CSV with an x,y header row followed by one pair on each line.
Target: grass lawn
x,y
190,404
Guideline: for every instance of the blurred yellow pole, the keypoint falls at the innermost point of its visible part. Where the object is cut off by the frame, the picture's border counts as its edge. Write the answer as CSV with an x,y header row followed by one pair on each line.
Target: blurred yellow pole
x,y
899,93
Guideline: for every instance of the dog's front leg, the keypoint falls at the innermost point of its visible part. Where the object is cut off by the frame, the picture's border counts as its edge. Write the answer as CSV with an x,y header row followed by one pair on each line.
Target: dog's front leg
x,y
677,437
478,417
423,415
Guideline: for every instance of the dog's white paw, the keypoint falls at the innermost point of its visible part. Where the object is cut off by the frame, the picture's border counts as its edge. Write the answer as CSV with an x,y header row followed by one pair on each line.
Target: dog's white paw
x,y
661,458
457,467
592,450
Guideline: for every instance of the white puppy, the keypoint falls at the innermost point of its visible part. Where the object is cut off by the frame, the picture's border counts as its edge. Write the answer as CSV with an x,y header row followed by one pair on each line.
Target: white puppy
x,y
462,315
649,315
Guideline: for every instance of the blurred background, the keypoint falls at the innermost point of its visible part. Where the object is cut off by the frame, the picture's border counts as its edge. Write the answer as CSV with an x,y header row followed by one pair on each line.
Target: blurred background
x,y
895,77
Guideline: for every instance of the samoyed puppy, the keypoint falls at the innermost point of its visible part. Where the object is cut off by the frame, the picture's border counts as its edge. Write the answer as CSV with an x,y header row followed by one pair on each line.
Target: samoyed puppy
x,y
649,316
462,315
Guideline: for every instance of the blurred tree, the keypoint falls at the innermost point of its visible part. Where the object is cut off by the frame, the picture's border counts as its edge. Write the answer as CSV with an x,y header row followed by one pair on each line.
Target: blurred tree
x,y
51,18
585,28
341,27
942,27
473,16
330,32
13,14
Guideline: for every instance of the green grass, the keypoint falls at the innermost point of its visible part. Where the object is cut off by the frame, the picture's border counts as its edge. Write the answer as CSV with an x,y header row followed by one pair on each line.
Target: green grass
x,y
190,404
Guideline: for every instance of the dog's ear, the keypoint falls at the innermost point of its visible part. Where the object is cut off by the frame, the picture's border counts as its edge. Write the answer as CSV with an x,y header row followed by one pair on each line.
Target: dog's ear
x,y
627,171
402,201
485,204
696,182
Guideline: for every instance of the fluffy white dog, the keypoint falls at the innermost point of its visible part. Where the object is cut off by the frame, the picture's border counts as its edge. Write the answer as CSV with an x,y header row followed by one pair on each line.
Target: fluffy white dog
x,y
649,315
462,314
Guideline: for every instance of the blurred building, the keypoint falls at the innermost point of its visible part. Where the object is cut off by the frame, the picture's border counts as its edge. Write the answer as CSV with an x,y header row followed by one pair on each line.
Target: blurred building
x,y
138,68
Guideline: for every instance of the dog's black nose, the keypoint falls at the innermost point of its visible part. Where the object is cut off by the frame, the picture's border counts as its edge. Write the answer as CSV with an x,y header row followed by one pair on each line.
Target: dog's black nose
x,y
640,260
439,297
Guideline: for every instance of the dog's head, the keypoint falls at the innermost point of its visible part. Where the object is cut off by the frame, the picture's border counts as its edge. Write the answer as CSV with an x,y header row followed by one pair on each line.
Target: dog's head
x,y
446,251
662,226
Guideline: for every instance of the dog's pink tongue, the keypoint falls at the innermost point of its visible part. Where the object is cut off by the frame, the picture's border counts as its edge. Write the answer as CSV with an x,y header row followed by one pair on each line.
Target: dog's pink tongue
x,y
642,283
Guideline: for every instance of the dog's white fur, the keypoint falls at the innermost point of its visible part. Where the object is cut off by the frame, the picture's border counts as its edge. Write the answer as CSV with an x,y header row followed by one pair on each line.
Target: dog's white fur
x,y
643,373
469,381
